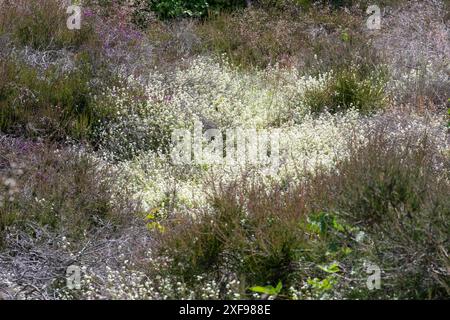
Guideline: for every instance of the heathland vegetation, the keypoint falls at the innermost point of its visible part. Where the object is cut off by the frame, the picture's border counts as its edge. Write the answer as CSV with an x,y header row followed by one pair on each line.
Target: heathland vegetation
x,y
87,118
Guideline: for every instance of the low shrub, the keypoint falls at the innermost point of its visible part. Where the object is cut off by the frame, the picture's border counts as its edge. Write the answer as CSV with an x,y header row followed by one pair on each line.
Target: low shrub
x,y
396,192
46,103
385,204
41,24
349,88
63,190
259,240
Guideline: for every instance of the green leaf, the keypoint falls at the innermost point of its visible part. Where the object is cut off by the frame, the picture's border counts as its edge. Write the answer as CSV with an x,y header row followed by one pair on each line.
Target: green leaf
x,y
346,251
321,285
279,287
265,290
332,268
270,290
345,36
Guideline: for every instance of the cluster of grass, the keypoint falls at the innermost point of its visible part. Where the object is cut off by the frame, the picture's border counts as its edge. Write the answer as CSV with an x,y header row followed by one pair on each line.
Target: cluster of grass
x,y
350,88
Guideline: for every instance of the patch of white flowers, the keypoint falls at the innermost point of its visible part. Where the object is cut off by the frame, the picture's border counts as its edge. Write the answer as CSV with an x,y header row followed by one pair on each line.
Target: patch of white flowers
x,y
209,90
8,183
130,283
221,97
316,142
226,97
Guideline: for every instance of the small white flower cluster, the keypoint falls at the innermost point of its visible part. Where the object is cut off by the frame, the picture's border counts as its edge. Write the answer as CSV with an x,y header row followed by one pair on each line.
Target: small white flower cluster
x,y
130,283
226,97
155,182
9,187
133,126
320,142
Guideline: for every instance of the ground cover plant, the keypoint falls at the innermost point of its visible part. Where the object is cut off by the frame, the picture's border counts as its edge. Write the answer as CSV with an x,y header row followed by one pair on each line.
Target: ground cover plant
x,y
332,136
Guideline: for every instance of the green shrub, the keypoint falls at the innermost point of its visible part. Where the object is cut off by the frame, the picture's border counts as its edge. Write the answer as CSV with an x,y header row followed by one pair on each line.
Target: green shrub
x,y
47,103
196,8
260,241
349,89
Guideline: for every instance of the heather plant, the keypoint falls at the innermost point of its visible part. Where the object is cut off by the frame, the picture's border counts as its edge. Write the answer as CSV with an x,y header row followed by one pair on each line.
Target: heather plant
x,y
416,51
65,190
350,88
389,189
120,47
30,98
42,25
259,246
